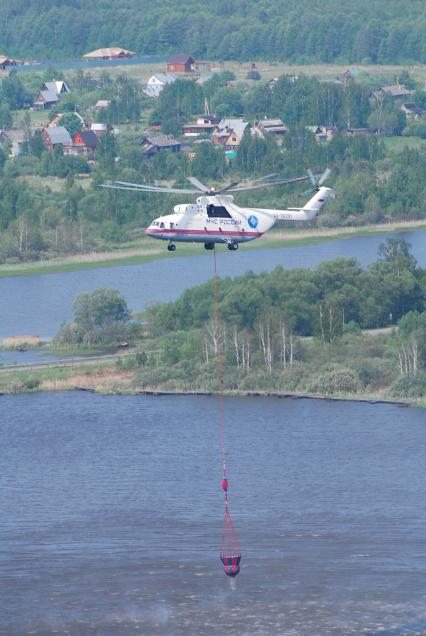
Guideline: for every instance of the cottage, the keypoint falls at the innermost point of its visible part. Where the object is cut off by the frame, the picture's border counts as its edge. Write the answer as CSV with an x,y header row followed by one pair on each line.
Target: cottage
x,y
6,61
180,63
101,104
57,86
394,92
56,136
205,125
99,129
322,133
203,66
112,53
412,111
15,140
84,143
271,126
49,94
152,145
157,82
45,99
358,132
229,133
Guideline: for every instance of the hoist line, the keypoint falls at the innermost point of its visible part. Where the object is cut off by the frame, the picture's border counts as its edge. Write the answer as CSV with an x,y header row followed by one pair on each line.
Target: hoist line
x,y
219,371
230,553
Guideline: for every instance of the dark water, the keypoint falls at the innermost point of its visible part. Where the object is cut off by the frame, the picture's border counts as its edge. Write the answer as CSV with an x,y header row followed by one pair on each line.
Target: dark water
x,y
39,304
111,517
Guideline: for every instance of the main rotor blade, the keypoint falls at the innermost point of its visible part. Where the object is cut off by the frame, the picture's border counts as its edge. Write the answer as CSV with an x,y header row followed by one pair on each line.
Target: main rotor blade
x,y
123,185
200,186
228,187
268,184
324,176
267,176
156,188
312,177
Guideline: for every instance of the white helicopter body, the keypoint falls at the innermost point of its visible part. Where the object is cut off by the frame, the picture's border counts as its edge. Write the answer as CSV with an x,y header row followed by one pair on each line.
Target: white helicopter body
x,y
215,218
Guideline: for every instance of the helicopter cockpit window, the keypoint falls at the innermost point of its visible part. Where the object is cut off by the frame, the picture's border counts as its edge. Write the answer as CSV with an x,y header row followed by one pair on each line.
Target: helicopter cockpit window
x,y
217,211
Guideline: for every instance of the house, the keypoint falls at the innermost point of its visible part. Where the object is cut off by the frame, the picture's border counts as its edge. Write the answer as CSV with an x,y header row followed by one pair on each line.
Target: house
x,y
6,61
101,104
15,140
180,63
157,82
203,66
112,53
56,136
205,125
45,99
412,111
84,143
99,129
322,133
49,94
394,92
357,132
271,126
57,86
152,145
229,133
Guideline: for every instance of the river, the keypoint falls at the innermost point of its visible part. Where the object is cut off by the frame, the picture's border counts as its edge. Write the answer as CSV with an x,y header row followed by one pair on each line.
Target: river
x,y
39,304
112,511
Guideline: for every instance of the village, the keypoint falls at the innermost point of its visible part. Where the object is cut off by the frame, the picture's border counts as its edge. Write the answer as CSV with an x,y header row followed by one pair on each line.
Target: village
x,y
76,129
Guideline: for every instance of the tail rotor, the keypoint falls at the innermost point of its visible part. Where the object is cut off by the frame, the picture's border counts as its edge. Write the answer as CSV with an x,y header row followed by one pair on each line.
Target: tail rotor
x,y
316,180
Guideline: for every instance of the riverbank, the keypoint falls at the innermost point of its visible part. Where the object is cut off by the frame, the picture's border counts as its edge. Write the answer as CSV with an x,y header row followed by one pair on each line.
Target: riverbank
x,y
104,378
147,250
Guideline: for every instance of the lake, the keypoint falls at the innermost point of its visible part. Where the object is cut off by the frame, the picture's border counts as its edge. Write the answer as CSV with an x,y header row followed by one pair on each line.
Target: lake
x,y
39,304
112,512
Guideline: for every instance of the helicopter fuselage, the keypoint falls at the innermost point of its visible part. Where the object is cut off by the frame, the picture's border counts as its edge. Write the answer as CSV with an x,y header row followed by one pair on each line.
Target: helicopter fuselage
x,y
212,219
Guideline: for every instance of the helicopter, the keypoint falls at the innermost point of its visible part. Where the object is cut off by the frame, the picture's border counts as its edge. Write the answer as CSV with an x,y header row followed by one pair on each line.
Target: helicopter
x,y
215,218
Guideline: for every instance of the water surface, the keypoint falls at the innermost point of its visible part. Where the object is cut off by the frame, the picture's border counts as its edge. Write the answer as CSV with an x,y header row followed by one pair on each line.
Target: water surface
x,y
111,517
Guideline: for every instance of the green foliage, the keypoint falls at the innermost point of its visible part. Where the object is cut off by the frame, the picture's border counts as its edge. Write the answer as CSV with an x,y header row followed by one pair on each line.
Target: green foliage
x,y
100,317
72,123
372,32
318,302
337,381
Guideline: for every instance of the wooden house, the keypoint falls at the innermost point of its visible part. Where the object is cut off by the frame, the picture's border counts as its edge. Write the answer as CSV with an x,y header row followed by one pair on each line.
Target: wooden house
x,y
180,63
270,126
412,111
157,82
229,133
204,125
111,53
14,140
6,61
84,143
152,145
56,136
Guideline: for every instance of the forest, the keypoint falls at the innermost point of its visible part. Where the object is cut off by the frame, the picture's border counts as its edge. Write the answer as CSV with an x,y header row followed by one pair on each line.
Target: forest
x,y
374,31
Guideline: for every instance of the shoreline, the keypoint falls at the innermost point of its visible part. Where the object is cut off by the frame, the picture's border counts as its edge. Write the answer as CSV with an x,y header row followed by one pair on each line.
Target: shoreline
x,y
146,252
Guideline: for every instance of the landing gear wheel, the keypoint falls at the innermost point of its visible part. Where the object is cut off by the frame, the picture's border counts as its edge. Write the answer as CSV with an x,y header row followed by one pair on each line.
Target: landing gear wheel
x,y
171,247
209,246
232,246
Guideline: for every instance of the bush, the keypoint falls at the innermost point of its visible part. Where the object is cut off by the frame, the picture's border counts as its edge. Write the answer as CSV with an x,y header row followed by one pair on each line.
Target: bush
x,y
337,381
410,386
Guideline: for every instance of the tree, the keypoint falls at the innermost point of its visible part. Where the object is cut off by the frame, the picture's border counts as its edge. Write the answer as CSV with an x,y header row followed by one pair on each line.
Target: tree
x,y
72,123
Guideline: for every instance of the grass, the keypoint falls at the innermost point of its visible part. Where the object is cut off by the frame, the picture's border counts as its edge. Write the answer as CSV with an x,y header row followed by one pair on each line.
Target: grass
x,y
397,144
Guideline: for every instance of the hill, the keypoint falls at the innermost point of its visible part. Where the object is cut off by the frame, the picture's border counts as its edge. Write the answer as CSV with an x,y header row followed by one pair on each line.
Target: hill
x,y
369,31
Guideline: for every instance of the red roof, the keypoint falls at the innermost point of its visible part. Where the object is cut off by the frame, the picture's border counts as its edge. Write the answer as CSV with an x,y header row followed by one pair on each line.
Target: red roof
x,y
85,138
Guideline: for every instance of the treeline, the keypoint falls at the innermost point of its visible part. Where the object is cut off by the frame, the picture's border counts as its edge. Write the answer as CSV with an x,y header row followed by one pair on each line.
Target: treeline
x,y
311,302
377,31
299,330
